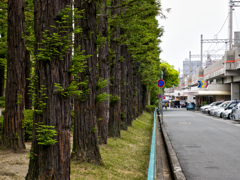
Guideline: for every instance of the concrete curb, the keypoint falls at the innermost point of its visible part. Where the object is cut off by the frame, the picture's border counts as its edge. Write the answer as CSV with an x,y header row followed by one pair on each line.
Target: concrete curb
x,y
174,163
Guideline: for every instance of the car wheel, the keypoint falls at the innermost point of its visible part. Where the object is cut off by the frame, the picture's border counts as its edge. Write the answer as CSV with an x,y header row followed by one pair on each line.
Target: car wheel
x,y
221,115
229,116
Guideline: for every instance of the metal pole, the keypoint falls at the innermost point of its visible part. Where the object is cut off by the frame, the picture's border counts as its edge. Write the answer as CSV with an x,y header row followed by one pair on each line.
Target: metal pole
x,y
190,64
201,50
162,95
230,23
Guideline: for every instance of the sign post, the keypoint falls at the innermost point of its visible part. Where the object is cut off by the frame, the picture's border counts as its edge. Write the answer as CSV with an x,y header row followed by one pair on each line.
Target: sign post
x,y
161,84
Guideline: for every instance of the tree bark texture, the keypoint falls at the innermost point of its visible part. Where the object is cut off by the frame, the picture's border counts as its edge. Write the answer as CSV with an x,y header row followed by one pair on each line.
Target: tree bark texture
x,y
85,138
129,91
115,73
13,129
140,111
2,72
144,97
103,73
135,90
51,161
28,101
124,70
149,97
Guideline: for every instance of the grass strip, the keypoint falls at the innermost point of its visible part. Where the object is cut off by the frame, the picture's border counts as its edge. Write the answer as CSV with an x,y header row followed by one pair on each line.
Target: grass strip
x,y
123,158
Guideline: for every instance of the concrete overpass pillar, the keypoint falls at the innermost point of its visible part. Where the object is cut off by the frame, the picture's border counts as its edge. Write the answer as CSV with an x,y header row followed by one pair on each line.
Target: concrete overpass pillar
x,y
235,87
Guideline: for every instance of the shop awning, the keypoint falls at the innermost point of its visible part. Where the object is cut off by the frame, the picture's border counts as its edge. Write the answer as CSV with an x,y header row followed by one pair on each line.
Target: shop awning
x,y
214,93
202,93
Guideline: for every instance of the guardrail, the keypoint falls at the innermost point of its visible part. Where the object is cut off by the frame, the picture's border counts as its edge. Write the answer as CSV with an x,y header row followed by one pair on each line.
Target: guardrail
x,y
151,166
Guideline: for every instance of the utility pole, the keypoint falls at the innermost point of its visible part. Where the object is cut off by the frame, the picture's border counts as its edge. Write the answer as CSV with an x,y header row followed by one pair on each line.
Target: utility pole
x,y
189,63
231,4
201,51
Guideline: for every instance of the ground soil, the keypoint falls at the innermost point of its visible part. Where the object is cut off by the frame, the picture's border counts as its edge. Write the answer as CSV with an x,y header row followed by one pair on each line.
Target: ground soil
x,y
14,163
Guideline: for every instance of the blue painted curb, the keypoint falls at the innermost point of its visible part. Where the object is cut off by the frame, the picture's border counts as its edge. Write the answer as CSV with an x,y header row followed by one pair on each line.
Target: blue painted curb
x,y
151,166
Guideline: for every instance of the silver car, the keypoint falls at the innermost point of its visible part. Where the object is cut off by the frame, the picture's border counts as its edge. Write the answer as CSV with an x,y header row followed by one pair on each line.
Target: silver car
x,y
215,109
216,105
227,112
235,114
202,109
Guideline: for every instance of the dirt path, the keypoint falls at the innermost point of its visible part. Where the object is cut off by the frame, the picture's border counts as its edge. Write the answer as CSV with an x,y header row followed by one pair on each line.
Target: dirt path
x,y
14,164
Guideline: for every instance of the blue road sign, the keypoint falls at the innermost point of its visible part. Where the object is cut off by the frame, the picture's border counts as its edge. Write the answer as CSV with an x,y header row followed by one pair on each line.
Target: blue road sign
x,y
159,96
161,83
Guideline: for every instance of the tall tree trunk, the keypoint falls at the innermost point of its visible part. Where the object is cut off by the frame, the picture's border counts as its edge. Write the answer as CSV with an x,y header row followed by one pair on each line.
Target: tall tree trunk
x,y
135,90
2,73
51,161
28,102
115,73
149,97
124,69
13,130
85,138
139,94
103,73
130,91
144,97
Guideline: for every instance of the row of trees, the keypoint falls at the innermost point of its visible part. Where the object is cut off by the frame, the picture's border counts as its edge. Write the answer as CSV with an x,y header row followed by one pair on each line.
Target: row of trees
x,y
100,56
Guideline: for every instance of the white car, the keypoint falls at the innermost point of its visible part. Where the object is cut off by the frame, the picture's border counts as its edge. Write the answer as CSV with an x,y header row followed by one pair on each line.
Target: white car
x,y
228,110
236,112
216,105
207,106
216,109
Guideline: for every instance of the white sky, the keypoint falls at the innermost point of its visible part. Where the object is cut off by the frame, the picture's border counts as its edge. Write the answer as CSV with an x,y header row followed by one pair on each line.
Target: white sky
x,y
186,22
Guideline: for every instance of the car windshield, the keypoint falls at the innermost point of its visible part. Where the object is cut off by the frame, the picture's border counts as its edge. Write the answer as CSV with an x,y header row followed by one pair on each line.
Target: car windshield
x,y
225,105
232,105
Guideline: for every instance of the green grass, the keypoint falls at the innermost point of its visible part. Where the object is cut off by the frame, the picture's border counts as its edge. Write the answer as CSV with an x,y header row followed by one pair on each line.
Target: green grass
x,y
124,158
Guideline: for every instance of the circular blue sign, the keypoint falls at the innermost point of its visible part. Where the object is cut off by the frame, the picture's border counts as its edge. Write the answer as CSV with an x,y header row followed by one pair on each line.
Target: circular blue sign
x,y
161,83
159,96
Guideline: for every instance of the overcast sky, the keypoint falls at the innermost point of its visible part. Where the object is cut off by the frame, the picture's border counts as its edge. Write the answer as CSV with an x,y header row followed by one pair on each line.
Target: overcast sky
x,y
186,22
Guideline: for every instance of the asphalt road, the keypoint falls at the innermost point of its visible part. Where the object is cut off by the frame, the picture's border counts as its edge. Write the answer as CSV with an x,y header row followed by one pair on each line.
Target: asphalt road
x,y
207,147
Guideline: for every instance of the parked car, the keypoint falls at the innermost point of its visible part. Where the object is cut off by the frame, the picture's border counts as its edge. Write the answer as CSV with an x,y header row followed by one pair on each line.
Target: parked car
x,y
207,106
219,108
183,104
191,106
227,112
176,104
214,106
235,114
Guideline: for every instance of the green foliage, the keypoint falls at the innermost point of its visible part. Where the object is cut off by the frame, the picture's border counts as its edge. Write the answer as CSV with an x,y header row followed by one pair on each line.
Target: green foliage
x,y
28,124
150,108
203,103
72,120
19,98
102,83
1,123
2,102
102,97
45,134
114,99
41,104
94,129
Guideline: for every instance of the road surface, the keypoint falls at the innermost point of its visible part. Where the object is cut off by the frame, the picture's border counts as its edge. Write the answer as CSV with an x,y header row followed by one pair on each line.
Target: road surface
x,y
207,147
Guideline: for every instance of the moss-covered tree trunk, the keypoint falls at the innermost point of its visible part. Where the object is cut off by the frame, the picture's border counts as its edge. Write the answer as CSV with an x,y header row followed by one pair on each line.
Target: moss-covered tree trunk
x,y
51,161
124,70
85,138
103,73
115,73
129,91
13,128
135,90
